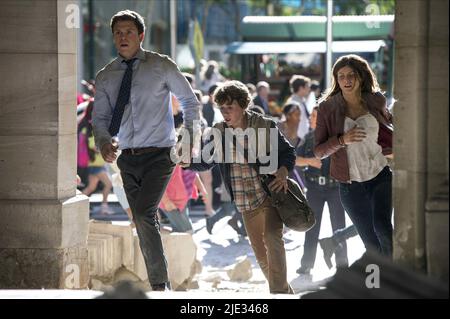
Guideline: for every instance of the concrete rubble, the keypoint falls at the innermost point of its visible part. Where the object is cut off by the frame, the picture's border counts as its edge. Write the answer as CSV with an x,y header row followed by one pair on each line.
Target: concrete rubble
x,y
241,271
115,256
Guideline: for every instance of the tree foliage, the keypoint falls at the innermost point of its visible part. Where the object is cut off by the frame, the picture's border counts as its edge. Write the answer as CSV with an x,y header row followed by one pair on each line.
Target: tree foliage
x,y
340,7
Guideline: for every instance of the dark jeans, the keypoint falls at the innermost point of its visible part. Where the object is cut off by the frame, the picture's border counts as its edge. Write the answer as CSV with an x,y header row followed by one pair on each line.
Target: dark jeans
x,y
369,205
316,196
341,235
145,178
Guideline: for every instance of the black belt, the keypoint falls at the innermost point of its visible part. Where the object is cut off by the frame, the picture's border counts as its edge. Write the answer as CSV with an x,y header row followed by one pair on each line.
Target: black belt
x,y
138,151
322,180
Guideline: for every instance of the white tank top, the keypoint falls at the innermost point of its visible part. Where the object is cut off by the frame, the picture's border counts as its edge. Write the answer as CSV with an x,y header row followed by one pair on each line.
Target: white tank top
x,y
365,158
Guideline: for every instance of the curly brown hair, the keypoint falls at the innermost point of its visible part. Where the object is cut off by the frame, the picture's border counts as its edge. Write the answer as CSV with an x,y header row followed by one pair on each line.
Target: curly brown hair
x,y
367,78
231,91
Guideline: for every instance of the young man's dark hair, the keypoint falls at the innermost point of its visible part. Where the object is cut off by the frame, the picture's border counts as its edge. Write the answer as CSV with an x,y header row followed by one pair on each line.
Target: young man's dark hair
x,y
128,15
232,91
298,81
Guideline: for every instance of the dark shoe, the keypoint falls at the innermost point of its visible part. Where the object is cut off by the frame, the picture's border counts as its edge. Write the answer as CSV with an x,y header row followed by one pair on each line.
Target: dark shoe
x,y
159,287
304,275
163,219
303,271
209,224
233,223
242,231
328,246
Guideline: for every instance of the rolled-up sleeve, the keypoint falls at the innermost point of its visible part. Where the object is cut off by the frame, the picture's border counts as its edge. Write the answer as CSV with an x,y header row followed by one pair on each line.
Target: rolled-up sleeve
x,y
101,114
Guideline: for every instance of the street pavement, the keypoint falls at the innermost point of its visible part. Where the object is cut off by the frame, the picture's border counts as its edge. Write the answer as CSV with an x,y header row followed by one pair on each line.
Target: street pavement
x,y
221,250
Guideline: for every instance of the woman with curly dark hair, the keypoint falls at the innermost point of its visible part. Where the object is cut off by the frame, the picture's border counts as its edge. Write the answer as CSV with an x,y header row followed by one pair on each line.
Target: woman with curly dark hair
x,y
351,116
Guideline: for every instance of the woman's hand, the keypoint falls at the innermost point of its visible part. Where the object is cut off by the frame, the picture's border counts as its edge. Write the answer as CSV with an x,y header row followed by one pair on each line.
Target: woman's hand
x,y
315,162
204,194
354,135
280,181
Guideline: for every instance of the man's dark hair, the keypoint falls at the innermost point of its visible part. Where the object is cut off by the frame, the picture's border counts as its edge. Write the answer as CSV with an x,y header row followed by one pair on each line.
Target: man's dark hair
x,y
211,89
315,85
232,91
128,15
189,77
290,107
298,81
198,95
251,88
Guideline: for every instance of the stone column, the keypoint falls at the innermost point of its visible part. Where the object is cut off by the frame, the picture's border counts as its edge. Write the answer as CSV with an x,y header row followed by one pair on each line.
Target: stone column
x,y
410,114
437,210
421,133
43,222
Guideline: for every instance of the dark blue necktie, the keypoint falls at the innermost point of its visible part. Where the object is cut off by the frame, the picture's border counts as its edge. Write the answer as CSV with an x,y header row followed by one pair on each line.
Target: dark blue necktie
x,y
122,98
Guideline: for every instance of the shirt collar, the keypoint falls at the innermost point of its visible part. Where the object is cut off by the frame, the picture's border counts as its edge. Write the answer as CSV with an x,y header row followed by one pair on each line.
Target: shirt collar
x,y
140,55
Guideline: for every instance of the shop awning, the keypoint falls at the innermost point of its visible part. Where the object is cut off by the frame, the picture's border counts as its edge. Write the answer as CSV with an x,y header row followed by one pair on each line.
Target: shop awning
x,y
303,47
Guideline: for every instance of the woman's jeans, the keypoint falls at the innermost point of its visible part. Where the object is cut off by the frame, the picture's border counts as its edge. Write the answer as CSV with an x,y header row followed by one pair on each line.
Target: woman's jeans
x,y
369,205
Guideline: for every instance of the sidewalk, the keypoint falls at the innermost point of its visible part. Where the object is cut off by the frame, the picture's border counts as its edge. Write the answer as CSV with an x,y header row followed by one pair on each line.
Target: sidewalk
x,y
218,253
221,250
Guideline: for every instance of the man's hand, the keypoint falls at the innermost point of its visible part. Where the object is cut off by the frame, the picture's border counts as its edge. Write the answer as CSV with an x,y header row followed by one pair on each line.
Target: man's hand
x,y
108,152
280,181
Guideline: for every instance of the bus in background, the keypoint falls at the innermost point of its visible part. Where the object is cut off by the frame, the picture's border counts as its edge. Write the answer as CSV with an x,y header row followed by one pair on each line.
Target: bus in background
x,y
273,48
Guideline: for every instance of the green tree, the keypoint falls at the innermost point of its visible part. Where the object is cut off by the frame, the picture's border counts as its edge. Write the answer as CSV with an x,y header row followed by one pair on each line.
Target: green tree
x,y
341,7
271,7
363,7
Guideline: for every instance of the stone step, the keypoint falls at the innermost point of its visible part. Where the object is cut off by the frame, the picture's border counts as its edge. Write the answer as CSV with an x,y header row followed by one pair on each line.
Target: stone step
x,y
114,247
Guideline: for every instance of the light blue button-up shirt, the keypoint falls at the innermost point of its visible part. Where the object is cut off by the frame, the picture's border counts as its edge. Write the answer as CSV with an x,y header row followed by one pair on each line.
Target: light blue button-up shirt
x,y
147,119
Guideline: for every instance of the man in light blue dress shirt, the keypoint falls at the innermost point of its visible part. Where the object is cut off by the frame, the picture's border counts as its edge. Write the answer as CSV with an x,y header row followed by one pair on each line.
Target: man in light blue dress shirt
x,y
132,113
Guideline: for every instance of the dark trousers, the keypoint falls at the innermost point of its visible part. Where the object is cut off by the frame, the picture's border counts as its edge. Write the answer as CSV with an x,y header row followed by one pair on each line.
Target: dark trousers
x,y
316,196
145,178
369,205
341,235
